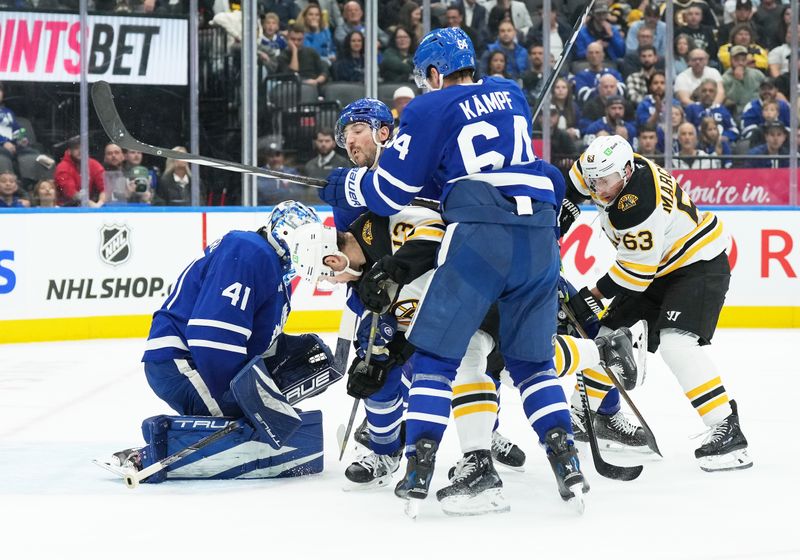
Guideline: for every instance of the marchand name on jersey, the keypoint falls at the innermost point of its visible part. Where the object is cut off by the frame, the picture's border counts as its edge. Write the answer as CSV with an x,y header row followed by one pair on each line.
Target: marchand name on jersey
x,y
107,288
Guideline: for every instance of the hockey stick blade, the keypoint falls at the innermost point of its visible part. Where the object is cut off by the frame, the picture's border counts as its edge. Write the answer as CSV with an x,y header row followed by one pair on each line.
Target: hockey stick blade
x,y
112,123
649,435
603,468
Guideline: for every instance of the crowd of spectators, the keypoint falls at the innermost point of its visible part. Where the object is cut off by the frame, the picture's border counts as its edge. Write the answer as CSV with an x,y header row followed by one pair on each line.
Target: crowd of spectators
x,y
730,79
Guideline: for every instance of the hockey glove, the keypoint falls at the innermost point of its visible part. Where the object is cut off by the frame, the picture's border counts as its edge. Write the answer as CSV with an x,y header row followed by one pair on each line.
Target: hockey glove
x,y
344,188
377,289
365,380
567,216
384,334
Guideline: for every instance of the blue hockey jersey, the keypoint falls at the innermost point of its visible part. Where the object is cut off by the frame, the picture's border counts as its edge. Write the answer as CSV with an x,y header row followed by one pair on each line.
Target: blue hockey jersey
x,y
480,131
225,308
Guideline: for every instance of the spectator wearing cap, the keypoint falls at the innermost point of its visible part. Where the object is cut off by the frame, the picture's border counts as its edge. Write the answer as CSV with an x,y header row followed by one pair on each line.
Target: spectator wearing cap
x,y
702,35
397,64
599,28
637,82
742,13
742,35
775,144
320,166
8,191
688,155
272,191
689,80
516,56
741,82
586,81
595,108
401,97
613,122
771,110
140,188
707,107
652,21
68,177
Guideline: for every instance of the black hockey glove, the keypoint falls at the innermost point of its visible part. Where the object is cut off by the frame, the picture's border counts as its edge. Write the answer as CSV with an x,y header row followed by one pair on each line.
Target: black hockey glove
x,y
569,213
365,380
585,306
377,288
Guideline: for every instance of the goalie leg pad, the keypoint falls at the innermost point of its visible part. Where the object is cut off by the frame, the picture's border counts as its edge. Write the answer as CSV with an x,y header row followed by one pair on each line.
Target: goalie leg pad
x,y
263,404
238,455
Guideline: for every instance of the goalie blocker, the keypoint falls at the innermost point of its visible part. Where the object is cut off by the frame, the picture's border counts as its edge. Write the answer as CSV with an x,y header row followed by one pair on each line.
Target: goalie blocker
x,y
277,440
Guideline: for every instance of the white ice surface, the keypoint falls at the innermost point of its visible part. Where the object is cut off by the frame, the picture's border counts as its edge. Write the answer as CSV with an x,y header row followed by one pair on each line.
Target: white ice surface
x,y
62,404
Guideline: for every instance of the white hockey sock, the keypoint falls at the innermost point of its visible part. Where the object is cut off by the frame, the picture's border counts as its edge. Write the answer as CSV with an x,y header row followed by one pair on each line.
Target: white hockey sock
x,y
696,373
573,354
597,384
475,396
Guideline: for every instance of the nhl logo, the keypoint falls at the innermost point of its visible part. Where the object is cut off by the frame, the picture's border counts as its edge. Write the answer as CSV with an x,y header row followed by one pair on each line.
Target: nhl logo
x,y
115,245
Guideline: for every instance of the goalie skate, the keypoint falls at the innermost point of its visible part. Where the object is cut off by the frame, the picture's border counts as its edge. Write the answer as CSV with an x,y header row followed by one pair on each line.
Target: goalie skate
x,y
476,489
372,471
725,447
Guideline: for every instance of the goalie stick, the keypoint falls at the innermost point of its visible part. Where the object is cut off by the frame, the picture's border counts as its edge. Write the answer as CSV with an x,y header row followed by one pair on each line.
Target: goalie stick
x,y
649,436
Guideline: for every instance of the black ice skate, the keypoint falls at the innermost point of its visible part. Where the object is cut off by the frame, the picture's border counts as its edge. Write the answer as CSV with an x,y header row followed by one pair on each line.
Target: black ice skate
x,y
373,471
578,418
361,434
725,447
475,489
505,452
563,459
417,479
616,433
616,351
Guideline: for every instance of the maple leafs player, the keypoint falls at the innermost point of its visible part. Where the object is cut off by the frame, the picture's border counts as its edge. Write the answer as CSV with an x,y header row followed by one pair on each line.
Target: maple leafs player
x,y
468,144
671,269
227,308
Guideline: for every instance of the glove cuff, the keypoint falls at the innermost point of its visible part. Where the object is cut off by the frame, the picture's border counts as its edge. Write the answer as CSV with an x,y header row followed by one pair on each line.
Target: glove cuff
x,y
352,187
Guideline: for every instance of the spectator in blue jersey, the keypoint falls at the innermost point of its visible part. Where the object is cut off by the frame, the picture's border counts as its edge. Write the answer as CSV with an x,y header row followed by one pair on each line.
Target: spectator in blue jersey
x,y
706,106
8,191
317,35
470,148
599,28
712,142
753,113
506,42
775,144
349,66
586,80
650,108
652,21
613,122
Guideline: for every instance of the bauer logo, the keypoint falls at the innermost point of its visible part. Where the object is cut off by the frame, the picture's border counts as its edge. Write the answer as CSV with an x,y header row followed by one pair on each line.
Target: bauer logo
x,y
115,244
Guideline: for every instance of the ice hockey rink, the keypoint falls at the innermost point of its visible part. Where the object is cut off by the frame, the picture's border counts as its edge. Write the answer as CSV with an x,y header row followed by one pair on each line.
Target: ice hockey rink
x,y
62,404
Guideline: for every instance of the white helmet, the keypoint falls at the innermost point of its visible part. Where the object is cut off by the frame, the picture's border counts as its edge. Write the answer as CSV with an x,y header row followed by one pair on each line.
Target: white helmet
x,y
605,156
311,243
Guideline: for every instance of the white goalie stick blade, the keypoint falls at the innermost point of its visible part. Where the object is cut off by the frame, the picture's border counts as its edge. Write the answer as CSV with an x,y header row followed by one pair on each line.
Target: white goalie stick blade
x,y
639,334
488,501
121,472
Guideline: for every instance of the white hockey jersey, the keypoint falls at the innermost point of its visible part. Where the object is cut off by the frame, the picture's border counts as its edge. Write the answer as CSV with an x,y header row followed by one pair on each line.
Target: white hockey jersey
x,y
655,227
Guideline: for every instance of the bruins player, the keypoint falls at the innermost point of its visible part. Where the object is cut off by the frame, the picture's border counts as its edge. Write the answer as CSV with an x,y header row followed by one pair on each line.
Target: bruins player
x,y
671,269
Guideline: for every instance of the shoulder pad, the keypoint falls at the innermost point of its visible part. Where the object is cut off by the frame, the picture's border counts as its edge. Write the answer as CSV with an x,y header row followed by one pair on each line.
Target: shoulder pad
x,y
637,201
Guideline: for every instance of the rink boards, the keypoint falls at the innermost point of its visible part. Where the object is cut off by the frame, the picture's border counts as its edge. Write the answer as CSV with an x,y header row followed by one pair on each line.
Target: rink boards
x,y
79,274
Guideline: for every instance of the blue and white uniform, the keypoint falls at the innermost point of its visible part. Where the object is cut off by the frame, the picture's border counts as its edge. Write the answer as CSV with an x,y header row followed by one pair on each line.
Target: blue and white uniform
x,y
226,308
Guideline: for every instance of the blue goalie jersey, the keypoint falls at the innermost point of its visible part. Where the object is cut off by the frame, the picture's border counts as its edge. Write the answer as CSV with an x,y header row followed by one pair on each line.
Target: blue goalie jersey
x,y
225,308
460,132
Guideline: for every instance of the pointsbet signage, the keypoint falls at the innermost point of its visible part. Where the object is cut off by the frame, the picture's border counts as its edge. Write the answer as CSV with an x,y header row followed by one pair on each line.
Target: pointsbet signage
x,y
40,47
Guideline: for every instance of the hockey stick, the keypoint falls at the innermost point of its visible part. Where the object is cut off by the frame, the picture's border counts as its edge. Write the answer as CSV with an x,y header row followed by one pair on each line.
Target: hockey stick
x,y
133,478
649,436
551,78
373,328
112,123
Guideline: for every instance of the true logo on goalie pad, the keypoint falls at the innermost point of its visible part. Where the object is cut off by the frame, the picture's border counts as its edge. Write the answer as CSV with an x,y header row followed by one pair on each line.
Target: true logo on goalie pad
x,y
308,387
115,247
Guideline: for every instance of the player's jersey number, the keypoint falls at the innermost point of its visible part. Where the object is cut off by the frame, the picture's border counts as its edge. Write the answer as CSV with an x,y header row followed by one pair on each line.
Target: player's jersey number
x,y
475,163
234,292
642,241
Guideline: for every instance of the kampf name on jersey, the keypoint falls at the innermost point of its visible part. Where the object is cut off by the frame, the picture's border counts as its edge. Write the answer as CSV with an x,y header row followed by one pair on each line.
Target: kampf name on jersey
x,y
480,131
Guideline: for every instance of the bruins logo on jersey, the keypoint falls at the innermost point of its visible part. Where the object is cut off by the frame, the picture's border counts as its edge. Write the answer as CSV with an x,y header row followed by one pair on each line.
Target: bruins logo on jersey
x,y
404,310
366,232
627,202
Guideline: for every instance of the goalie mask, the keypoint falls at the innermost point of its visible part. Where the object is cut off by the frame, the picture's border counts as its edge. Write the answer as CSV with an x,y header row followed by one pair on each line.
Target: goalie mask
x,y
604,164
310,245
283,222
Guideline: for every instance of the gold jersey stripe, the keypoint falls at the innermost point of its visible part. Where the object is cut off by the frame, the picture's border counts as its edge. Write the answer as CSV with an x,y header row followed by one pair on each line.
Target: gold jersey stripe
x,y
705,387
598,376
625,277
706,240
595,393
473,387
425,232
709,406
474,409
678,245
639,267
